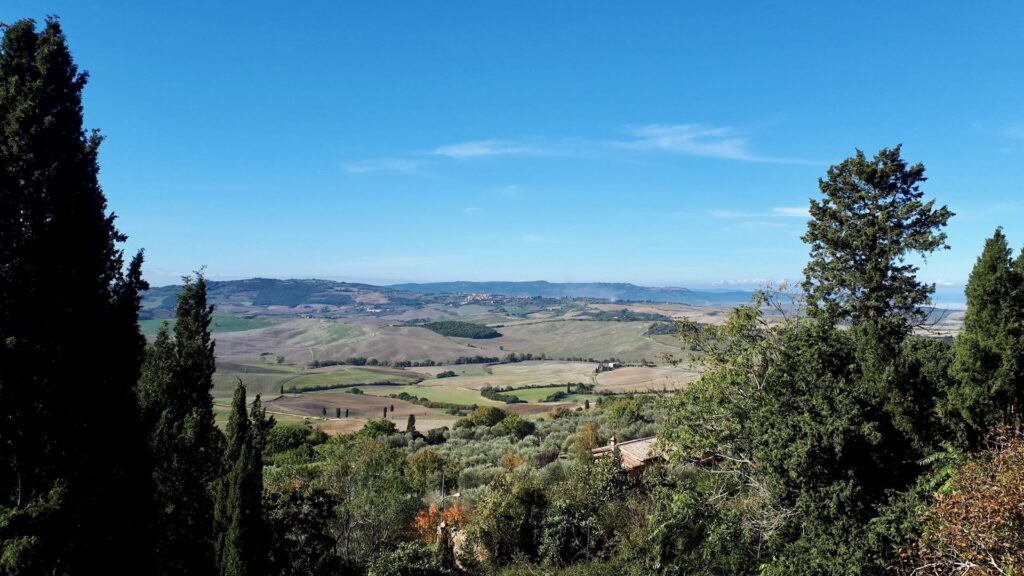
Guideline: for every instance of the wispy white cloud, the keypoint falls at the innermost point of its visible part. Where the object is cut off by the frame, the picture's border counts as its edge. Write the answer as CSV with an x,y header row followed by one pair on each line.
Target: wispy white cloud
x,y
680,139
761,225
691,139
381,165
743,282
777,212
482,148
698,140
791,211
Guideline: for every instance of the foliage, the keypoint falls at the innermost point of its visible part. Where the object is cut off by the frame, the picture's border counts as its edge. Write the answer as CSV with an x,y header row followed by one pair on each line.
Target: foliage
x,y
374,507
378,427
498,395
459,329
976,526
299,517
241,545
483,416
989,364
412,559
585,512
75,490
507,522
517,426
870,219
427,521
186,446
425,469
588,437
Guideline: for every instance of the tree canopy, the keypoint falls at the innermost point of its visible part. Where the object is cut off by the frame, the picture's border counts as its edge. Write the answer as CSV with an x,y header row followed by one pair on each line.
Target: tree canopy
x,y
66,301
870,220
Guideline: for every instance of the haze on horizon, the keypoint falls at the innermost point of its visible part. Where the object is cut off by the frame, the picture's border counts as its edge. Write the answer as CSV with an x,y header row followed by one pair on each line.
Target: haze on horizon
x,y
578,141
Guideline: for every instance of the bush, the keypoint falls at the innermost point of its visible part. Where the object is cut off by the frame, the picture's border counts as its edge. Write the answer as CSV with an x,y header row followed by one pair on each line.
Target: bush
x,y
411,559
436,436
475,476
378,427
482,416
517,426
507,522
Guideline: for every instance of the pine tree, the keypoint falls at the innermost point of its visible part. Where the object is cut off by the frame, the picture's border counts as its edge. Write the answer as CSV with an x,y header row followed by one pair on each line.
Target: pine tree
x,y
177,406
989,363
871,217
74,484
240,532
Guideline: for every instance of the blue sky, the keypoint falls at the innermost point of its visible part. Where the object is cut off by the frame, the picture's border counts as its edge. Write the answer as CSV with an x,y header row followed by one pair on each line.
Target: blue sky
x,y
655,143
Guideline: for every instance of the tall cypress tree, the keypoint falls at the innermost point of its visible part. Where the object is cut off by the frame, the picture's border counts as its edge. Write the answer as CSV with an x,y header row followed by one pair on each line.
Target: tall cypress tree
x,y
174,394
73,479
240,539
989,363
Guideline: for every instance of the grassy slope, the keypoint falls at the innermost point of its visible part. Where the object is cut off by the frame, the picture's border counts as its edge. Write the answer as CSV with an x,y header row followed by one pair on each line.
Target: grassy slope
x,y
265,379
221,324
303,340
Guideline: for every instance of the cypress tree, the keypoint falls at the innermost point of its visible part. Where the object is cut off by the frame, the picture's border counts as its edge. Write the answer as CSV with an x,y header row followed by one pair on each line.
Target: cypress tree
x,y
240,538
176,402
410,423
989,352
74,484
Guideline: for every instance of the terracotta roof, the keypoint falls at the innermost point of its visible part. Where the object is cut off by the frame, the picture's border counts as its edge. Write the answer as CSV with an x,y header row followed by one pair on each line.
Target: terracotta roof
x,y
634,453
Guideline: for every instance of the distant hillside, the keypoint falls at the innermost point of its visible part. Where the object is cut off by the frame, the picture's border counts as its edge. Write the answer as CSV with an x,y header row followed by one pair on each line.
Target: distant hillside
x,y
159,302
614,291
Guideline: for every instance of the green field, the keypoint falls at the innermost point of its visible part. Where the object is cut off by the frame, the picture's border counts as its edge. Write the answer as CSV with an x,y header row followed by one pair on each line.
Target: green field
x,y
349,376
443,393
269,378
536,394
333,332
533,373
221,323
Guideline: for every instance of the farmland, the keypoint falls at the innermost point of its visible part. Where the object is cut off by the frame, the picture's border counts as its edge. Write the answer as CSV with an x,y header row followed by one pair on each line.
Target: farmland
x,y
316,340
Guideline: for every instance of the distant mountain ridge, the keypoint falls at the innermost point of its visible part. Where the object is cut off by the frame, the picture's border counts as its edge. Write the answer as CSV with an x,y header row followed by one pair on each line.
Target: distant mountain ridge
x,y
612,291
294,292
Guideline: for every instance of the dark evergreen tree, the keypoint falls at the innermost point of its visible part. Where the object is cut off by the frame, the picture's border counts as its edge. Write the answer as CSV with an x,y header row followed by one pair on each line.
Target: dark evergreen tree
x,y
410,423
840,405
989,365
176,402
871,218
74,484
241,546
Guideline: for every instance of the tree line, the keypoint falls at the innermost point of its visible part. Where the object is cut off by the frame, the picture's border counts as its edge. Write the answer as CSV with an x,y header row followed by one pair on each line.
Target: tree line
x,y
118,468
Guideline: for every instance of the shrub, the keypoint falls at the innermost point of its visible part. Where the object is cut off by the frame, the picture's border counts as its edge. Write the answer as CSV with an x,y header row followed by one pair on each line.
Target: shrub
x,y
378,427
